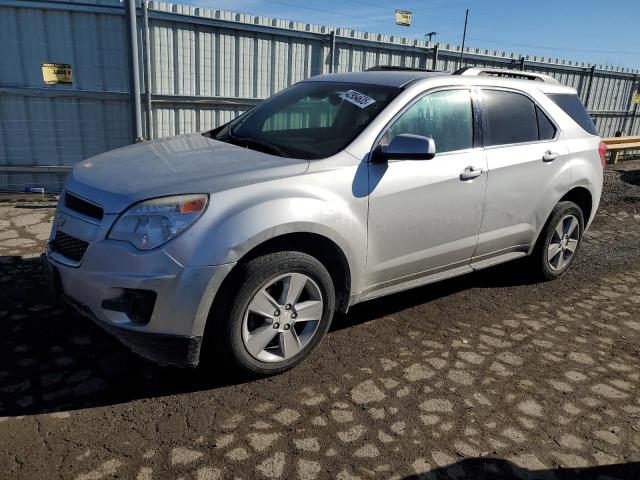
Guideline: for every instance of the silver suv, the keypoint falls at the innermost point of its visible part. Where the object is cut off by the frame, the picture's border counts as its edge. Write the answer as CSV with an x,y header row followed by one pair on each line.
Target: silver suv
x,y
243,241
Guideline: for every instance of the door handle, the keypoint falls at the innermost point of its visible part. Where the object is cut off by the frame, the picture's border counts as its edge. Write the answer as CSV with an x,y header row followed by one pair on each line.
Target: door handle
x,y
470,173
549,156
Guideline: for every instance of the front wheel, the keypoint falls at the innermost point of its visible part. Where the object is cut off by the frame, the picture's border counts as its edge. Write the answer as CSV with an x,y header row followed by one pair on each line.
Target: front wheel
x,y
283,307
559,241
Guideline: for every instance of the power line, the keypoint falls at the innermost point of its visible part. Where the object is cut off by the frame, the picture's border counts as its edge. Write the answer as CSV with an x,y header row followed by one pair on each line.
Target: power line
x,y
543,47
332,12
454,35
369,4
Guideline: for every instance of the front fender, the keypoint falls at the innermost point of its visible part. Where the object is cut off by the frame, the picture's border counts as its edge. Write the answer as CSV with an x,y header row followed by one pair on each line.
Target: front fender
x,y
236,221
238,230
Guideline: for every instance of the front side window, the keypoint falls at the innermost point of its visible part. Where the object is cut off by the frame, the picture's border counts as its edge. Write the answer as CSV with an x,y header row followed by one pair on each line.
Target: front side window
x,y
445,116
309,120
511,118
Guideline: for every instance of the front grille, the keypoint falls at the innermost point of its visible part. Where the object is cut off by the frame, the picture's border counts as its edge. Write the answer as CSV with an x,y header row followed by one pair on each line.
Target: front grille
x,y
77,204
71,247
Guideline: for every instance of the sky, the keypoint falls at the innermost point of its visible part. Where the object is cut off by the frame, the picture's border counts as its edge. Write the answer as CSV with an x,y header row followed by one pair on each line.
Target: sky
x,y
600,32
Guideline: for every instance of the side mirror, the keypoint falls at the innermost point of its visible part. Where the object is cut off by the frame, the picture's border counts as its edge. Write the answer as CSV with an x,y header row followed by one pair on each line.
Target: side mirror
x,y
406,147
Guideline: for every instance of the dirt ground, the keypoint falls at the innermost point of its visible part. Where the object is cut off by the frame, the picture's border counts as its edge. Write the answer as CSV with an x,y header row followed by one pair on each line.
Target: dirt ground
x,y
484,376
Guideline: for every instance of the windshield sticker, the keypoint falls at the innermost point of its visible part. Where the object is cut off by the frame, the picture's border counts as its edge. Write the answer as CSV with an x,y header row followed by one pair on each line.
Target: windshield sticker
x,y
357,98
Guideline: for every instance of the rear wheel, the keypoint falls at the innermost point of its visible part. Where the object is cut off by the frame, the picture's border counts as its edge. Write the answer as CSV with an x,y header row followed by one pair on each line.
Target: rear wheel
x,y
559,241
282,308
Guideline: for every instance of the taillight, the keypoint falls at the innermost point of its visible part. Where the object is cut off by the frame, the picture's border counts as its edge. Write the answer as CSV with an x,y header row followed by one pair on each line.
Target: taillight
x,y
602,151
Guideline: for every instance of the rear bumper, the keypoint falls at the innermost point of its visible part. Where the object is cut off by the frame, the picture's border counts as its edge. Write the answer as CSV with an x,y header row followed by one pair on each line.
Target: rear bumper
x,y
171,350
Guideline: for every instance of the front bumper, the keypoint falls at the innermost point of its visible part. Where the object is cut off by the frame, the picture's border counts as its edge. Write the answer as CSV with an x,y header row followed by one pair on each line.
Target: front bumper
x,y
172,350
183,296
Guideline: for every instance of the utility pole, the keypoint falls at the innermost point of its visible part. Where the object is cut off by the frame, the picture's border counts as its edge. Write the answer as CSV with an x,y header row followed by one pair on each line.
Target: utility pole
x,y
430,35
464,37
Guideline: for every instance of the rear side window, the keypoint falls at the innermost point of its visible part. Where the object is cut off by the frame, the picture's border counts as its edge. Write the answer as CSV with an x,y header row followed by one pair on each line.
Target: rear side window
x,y
573,107
512,118
546,129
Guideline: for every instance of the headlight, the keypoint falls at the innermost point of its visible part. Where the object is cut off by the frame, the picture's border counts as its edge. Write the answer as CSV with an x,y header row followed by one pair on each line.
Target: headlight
x,y
151,223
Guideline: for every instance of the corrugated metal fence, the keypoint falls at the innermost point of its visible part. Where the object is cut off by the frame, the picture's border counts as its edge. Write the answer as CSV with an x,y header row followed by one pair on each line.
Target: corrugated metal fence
x,y
206,67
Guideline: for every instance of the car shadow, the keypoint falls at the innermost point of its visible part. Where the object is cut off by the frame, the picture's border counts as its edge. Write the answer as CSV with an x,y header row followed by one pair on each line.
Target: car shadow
x,y
53,359
499,469
510,274
631,177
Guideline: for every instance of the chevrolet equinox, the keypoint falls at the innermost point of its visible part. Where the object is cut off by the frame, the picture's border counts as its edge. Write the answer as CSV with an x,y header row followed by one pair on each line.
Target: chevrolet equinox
x,y
246,239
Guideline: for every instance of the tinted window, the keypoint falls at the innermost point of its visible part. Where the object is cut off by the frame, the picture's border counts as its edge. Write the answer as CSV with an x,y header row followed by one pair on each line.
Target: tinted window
x,y
308,120
546,129
512,118
444,116
573,107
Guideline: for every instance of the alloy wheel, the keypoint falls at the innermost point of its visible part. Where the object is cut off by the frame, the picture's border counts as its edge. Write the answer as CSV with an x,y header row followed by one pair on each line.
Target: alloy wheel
x,y
564,242
282,317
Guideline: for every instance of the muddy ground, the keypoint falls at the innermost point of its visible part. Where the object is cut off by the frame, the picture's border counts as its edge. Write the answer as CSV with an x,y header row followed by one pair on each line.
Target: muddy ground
x,y
490,375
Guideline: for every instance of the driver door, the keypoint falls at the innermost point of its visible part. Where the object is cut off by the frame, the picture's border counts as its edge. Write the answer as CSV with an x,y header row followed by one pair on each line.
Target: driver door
x,y
424,215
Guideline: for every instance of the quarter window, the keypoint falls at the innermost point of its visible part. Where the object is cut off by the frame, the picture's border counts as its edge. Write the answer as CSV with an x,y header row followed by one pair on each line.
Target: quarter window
x,y
573,107
546,129
445,116
511,117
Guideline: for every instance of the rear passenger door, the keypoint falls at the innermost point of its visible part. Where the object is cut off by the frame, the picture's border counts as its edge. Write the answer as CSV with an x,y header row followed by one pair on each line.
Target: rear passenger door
x,y
527,161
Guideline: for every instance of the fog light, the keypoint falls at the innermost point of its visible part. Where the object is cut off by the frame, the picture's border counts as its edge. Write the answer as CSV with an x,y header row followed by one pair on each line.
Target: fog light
x,y
136,304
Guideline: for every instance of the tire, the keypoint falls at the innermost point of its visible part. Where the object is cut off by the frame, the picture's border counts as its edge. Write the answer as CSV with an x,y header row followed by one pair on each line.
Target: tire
x,y
554,253
243,324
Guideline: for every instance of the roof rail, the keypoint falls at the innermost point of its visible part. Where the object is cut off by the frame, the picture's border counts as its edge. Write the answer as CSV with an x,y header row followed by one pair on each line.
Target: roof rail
x,y
503,72
393,68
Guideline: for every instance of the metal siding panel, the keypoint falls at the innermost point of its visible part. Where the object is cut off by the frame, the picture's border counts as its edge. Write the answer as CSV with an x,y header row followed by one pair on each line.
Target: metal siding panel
x,y
193,57
228,65
280,66
162,57
32,36
265,65
246,66
204,60
11,58
184,61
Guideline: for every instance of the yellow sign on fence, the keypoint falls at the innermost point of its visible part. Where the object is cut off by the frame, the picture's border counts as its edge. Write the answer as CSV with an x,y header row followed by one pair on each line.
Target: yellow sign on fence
x,y
636,98
403,18
57,74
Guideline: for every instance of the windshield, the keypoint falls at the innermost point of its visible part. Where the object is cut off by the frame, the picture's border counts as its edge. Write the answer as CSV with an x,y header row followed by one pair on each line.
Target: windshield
x,y
309,120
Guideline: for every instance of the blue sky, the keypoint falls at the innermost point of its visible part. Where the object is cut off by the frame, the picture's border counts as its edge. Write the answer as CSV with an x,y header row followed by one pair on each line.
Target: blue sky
x,y
601,32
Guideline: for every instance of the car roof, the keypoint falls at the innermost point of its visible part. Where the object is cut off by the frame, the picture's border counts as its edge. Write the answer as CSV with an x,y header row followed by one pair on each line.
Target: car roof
x,y
393,78
401,78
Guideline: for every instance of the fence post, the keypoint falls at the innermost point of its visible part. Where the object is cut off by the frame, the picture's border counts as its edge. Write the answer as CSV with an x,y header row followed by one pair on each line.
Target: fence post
x,y
332,51
522,63
435,57
147,68
592,72
135,71
635,108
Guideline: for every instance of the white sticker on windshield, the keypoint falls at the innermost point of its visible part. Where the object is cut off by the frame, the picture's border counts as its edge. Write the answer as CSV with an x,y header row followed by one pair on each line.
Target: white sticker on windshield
x,y
357,98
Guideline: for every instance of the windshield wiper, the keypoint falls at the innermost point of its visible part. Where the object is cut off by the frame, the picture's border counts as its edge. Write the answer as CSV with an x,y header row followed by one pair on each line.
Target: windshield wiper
x,y
258,144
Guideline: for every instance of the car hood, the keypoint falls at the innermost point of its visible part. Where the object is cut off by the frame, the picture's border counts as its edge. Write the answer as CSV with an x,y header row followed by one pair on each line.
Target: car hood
x,y
171,166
